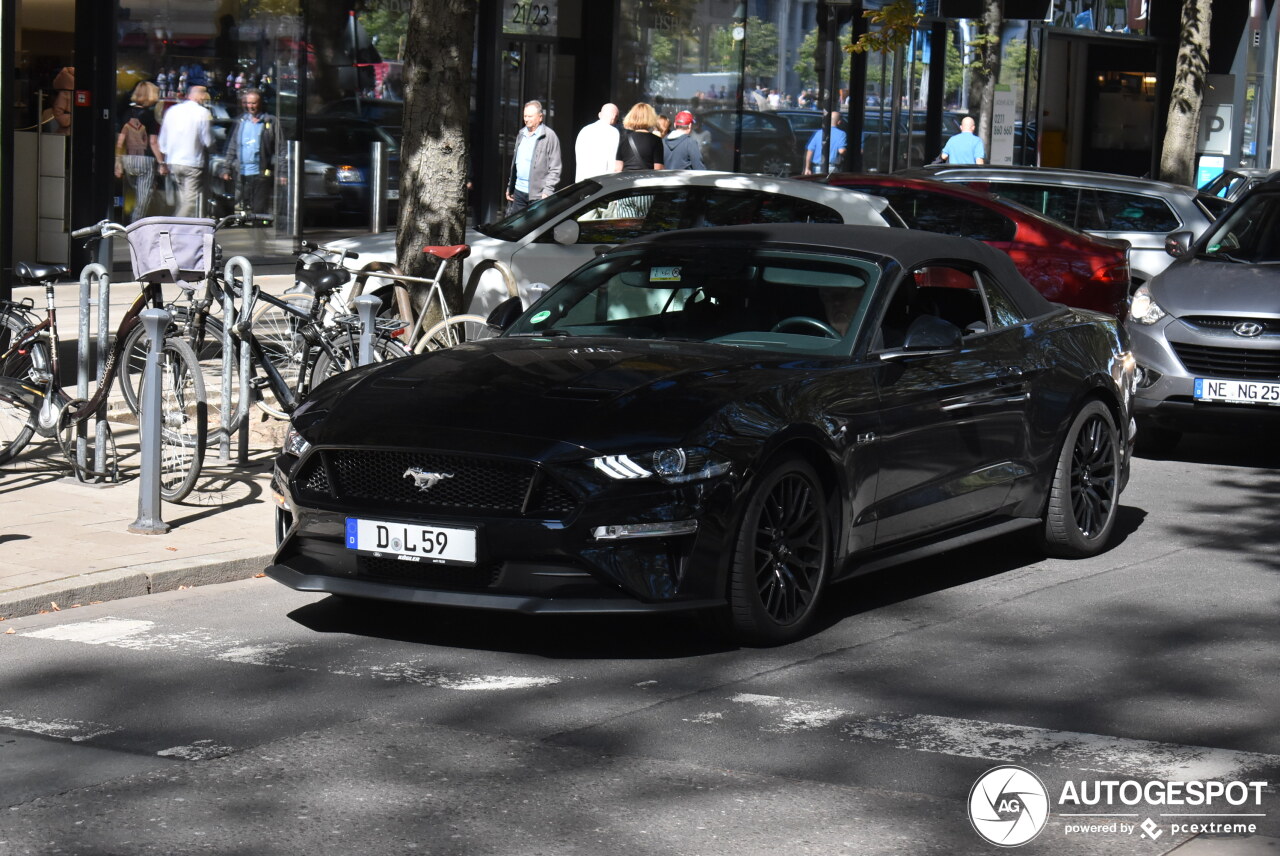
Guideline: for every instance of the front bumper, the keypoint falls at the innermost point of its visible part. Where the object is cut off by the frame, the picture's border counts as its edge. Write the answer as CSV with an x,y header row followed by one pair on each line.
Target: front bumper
x,y
1168,400
531,563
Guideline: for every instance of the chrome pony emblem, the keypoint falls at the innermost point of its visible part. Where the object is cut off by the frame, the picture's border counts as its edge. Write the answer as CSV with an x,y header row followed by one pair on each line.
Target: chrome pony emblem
x,y
1248,329
424,480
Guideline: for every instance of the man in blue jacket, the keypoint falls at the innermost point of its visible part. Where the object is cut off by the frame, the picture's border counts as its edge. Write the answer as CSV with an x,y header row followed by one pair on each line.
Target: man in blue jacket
x,y
251,154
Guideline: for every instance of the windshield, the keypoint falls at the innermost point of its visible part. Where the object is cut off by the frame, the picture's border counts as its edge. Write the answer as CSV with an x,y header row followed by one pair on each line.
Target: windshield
x,y
778,300
515,226
1248,233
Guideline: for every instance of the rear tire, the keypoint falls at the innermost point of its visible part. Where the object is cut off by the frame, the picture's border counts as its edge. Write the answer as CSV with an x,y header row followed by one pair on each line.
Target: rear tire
x,y
346,351
782,556
1085,494
454,331
17,422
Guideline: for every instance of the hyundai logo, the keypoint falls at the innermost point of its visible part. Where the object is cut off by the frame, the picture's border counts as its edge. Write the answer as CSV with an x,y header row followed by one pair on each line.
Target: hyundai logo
x,y
423,480
1249,329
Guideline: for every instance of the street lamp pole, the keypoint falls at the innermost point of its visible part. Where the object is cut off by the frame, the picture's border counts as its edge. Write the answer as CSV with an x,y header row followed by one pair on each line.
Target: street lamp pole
x,y
740,36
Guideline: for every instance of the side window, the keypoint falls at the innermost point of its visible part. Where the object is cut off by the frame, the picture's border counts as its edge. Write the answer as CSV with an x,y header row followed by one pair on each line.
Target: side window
x,y
631,214
1128,212
1060,203
730,208
947,215
1001,308
938,291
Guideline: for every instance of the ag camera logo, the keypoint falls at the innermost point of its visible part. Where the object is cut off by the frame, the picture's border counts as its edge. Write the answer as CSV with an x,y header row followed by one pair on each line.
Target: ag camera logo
x,y
1008,806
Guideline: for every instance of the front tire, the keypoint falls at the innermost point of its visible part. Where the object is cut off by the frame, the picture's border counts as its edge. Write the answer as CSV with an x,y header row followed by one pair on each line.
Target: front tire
x,y
782,556
1085,493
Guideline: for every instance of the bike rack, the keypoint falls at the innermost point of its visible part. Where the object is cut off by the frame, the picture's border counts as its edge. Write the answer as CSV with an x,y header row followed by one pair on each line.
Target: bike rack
x,y
243,319
367,306
93,276
149,521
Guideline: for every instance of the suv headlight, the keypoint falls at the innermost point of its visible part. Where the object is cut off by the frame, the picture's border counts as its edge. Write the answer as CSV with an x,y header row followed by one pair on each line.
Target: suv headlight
x,y
1144,309
673,465
348,174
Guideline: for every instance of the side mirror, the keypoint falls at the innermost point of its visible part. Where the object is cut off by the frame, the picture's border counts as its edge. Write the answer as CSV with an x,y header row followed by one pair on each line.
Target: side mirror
x,y
505,313
1178,244
566,233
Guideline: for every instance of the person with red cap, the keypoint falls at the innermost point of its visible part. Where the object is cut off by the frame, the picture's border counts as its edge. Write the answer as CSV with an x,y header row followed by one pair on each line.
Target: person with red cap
x,y
682,150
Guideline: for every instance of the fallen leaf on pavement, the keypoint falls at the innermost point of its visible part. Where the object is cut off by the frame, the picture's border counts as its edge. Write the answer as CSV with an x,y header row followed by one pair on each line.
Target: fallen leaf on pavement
x,y
11,630
172,549
258,576
55,606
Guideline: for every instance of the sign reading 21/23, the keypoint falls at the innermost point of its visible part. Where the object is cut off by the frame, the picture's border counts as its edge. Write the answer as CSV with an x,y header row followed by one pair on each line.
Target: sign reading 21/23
x,y
530,18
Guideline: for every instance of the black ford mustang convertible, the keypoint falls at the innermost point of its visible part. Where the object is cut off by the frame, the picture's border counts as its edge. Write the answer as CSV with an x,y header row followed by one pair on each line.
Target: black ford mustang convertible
x,y
719,419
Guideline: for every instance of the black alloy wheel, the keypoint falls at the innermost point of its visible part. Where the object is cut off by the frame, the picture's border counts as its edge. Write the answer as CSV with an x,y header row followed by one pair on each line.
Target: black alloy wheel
x,y
782,557
1085,494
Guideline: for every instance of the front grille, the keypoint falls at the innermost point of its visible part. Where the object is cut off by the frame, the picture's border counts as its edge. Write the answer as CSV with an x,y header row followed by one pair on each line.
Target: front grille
x,y
1214,322
463,484
424,575
1236,363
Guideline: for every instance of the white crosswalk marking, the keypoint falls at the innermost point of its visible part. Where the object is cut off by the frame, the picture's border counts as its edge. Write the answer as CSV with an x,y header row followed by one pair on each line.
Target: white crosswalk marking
x,y
135,635
1006,743
63,729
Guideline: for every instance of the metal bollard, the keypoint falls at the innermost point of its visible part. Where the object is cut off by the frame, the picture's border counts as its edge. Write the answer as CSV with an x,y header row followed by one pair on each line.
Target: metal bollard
x,y
149,415
377,187
367,306
243,318
93,274
297,176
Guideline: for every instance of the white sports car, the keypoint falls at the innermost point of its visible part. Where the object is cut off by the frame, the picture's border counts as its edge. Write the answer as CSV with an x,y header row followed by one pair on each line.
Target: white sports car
x,y
553,236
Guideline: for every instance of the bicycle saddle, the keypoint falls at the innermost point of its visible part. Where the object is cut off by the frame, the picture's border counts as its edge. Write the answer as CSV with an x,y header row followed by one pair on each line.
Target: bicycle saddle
x,y
324,280
39,274
457,251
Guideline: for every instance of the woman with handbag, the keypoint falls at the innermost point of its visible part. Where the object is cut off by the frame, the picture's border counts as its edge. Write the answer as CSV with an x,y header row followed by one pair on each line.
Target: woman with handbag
x,y
638,148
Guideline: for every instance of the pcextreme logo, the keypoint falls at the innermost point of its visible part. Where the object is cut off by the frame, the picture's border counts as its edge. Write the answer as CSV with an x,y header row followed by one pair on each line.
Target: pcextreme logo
x,y
1008,806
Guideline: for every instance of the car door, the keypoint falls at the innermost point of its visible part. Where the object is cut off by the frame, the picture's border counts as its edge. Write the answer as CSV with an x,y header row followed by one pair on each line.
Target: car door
x,y
953,424
612,219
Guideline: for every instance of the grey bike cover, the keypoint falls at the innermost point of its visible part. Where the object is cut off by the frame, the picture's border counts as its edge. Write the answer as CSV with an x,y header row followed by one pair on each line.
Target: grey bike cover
x,y
171,249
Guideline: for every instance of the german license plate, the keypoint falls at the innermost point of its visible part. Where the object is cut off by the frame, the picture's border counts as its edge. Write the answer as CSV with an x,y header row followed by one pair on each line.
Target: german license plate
x,y
412,542
1237,391
393,193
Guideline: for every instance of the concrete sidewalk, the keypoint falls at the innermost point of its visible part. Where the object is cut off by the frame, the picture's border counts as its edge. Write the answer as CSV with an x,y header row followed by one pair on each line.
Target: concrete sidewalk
x,y
64,544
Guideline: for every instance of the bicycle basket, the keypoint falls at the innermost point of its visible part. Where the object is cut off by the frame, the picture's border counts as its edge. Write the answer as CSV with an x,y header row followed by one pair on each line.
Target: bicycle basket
x,y
171,249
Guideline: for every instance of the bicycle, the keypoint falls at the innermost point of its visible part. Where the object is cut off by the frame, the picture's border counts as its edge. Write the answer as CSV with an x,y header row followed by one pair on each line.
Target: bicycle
x,y
32,402
449,329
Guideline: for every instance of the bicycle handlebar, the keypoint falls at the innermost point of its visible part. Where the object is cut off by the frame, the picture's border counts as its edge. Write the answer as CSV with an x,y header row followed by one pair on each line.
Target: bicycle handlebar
x,y
100,229
309,247
244,219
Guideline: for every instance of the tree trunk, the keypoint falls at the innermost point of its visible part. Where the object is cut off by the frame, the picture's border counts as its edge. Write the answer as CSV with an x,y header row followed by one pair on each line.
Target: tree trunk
x,y
1178,154
434,153
986,72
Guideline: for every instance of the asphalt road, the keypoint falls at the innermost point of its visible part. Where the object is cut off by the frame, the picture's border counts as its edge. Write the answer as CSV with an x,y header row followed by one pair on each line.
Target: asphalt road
x,y
249,719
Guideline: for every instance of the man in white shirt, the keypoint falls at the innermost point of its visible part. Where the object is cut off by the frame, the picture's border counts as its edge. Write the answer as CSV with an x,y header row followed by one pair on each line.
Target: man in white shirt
x,y
597,145
185,135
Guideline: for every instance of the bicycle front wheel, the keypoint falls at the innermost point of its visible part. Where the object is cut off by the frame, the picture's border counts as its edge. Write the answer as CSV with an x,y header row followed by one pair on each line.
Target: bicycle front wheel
x,y
454,331
280,334
183,419
346,352
133,362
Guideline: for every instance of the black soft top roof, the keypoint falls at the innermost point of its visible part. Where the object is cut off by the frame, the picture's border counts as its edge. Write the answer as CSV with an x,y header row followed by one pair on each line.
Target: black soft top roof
x,y
910,248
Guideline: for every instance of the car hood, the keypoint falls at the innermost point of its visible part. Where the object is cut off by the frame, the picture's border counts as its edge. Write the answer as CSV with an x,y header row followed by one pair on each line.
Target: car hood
x,y
1200,286
599,394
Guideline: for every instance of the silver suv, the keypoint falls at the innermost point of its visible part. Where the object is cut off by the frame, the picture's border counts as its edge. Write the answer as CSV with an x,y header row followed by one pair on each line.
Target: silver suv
x,y
1206,332
1138,210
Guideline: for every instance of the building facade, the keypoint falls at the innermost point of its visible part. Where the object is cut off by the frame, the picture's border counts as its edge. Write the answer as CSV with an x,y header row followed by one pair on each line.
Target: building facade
x,y
1084,83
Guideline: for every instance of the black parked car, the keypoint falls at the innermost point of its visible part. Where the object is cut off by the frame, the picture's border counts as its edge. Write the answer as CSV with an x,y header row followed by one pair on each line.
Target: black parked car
x,y
768,143
717,419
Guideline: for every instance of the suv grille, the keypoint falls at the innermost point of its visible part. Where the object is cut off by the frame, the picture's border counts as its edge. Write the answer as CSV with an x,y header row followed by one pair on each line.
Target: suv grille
x,y
1213,322
383,479
1238,363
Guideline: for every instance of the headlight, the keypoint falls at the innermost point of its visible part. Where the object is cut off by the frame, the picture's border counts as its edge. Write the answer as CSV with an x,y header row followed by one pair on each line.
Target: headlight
x,y
673,466
348,174
1143,309
294,444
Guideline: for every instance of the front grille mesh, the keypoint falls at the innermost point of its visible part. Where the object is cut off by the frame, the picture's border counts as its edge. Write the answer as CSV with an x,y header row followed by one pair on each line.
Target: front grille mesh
x,y
384,479
1236,363
1214,322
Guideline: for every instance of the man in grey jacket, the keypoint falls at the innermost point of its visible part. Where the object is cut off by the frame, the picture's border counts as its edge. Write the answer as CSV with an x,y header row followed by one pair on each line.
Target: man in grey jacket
x,y
535,169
